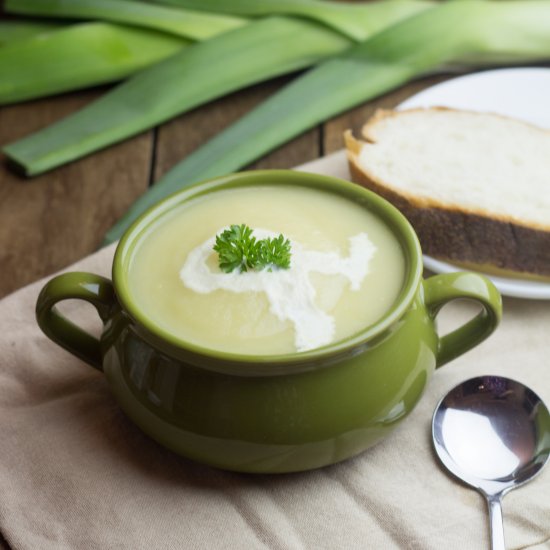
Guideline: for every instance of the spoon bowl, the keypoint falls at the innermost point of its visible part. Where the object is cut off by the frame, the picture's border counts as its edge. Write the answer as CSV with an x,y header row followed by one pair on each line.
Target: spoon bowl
x,y
493,433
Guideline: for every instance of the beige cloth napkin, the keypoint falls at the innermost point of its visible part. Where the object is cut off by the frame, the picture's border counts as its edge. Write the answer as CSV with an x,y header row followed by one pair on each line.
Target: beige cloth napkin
x,y
76,474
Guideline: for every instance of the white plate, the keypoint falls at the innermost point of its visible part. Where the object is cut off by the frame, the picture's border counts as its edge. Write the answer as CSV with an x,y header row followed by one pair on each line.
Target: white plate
x,y
523,93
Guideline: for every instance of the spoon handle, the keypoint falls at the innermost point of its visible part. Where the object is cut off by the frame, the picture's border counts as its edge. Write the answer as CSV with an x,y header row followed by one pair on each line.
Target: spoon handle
x,y
495,523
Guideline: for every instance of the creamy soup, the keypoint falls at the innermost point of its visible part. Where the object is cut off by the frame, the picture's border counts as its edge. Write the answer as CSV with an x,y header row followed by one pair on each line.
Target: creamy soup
x,y
346,270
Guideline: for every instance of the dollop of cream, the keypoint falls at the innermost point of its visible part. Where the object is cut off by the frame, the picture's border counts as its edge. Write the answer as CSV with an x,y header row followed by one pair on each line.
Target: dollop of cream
x,y
290,293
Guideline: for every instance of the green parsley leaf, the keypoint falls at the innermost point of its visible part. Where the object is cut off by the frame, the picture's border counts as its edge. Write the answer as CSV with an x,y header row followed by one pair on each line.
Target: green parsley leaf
x,y
274,253
238,249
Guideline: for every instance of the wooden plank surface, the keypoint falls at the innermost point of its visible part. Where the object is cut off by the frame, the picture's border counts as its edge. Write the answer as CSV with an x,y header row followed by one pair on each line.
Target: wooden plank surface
x,y
53,220
181,136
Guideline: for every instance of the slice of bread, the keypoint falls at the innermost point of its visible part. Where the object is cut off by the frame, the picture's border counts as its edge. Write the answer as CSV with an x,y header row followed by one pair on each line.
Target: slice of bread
x,y
475,186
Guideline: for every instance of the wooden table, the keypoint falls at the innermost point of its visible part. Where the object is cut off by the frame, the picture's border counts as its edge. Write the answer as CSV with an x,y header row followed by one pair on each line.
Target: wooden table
x,y
50,221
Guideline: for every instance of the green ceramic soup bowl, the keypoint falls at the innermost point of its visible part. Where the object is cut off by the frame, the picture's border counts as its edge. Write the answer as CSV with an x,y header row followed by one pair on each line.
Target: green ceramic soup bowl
x,y
279,413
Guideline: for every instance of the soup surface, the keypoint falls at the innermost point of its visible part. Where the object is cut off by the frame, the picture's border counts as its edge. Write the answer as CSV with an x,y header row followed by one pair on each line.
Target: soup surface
x,y
346,270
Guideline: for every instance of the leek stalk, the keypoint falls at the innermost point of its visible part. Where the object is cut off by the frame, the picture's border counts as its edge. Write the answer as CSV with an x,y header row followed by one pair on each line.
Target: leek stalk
x,y
496,31
189,24
77,56
358,21
203,71
257,51
12,30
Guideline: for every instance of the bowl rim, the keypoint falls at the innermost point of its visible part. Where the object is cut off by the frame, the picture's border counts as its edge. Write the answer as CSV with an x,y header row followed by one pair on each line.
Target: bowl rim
x,y
223,361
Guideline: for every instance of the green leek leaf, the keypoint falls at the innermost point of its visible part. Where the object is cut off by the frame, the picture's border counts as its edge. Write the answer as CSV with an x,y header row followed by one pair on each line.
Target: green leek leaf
x,y
495,31
203,71
18,29
77,56
358,21
189,24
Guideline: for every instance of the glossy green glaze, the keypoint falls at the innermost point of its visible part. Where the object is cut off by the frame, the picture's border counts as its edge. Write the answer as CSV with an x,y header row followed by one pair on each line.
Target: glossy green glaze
x,y
271,413
94,289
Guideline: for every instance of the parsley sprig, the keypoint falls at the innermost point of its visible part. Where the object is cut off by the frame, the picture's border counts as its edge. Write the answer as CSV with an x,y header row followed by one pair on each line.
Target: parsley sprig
x,y
237,248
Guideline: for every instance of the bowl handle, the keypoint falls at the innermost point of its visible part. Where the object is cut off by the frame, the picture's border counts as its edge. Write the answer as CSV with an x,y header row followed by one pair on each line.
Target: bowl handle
x,y
94,289
441,289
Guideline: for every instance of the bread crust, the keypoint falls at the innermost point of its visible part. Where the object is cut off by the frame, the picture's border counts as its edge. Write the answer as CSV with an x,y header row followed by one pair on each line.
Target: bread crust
x,y
451,233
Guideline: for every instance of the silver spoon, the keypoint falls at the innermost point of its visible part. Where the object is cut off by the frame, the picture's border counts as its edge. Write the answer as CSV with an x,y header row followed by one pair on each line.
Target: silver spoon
x,y
493,433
